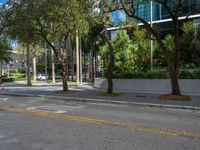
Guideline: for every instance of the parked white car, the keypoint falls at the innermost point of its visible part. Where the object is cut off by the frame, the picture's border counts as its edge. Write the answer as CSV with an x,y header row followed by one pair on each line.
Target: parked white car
x,y
41,77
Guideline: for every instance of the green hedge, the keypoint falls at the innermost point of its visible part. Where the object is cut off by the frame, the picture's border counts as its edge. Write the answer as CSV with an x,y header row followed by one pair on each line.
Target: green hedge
x,y
156,74
14,78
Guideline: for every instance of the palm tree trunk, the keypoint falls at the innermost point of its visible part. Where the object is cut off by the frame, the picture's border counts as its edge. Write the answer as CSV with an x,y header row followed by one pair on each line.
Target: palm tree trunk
x,y
34,69
53,66
72,63
92,61
1,75
67,60
85,68
77,59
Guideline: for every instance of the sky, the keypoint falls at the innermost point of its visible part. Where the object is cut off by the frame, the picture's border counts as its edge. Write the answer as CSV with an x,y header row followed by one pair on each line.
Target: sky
x,y
118,17
2,1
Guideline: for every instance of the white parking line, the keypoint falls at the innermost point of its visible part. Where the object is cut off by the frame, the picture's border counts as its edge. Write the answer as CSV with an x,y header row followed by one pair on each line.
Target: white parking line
x,y
3,99
58,109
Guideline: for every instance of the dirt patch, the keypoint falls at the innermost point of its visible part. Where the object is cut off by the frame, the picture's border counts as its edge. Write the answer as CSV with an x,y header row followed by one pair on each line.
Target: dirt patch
x,y
175,97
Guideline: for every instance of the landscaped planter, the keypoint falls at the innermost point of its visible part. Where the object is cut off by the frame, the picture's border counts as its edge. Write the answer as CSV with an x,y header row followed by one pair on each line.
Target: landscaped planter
x,y
149,85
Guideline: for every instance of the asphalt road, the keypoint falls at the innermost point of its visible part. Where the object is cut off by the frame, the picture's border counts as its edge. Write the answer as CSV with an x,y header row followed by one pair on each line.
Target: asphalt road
x,y
28,123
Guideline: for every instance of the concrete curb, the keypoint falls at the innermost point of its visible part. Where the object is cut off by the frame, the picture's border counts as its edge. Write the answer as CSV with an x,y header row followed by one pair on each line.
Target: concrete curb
x,y
90,100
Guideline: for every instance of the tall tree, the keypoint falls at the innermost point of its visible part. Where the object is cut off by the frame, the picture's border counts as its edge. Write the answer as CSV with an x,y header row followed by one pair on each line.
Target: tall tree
x,y
103,19
172,55
51,21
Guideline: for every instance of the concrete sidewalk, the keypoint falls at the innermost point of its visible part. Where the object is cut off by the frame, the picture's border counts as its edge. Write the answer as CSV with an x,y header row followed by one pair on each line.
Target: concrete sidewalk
x,y
86,92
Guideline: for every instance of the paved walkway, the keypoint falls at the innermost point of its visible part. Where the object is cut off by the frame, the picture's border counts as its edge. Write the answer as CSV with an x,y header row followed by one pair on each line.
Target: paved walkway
x,y
86,92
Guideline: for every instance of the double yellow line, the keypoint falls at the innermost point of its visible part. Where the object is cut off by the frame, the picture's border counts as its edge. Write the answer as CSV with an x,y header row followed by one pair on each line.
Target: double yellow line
x,y
132,126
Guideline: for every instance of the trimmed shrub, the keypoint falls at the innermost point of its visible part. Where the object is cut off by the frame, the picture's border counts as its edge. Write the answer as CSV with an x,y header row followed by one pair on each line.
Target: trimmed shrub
x,y
196,74
185,74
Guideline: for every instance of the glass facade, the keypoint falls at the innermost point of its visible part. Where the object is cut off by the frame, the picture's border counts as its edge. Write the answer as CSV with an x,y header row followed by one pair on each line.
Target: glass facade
x,y
159,12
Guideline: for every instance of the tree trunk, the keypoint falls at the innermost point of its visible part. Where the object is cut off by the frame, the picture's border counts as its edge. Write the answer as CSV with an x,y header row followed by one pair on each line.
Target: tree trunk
x,y
72,63
175,69
106,39
34,69
67,60
1,75
28,66
53,66
80,60
77,59
110,69
175,83
64,76
85,68
95,61
92,63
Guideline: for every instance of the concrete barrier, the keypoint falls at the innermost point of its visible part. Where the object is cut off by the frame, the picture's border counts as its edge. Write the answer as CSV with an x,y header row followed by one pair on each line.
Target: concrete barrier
x,y
149,85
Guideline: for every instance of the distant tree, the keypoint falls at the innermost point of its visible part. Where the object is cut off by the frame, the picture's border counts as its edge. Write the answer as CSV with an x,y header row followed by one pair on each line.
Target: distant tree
x,y
49,21
5,53
5,50
141,49
121,44
36,51
190,44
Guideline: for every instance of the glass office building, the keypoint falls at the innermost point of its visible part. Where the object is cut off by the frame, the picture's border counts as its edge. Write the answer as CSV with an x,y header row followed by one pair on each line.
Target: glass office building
x,y
159,12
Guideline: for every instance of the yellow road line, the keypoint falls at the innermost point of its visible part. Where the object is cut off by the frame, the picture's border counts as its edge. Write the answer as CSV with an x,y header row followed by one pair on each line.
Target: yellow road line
x,y
135,127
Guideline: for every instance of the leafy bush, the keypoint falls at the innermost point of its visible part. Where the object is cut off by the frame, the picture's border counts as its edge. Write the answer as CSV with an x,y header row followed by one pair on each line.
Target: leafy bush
x,y
13,71
196,74
13,78
188,66
185,74
8,80
156,74
20,70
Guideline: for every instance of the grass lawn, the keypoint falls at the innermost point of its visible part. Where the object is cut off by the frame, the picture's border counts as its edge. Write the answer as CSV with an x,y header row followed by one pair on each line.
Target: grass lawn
x,y
108,94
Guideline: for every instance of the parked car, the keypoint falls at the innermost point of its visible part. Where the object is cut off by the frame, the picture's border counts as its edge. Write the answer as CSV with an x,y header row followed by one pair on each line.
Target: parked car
x,y
41,77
